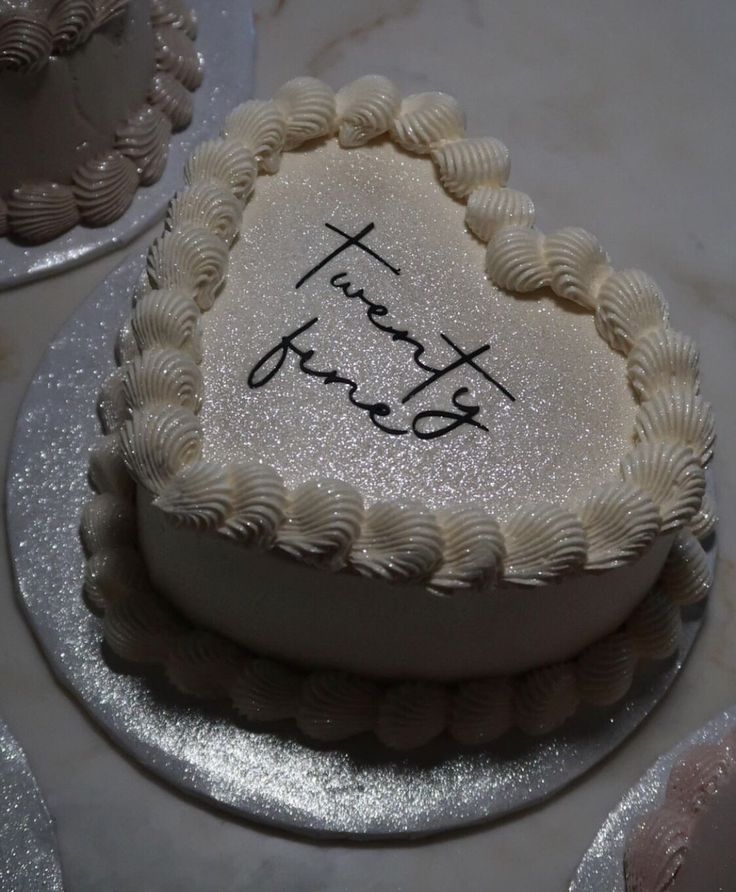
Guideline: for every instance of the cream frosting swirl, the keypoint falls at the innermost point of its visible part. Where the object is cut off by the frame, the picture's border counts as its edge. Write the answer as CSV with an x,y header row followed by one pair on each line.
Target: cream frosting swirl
x,y
144,138
542,543
71,22
308,105
473,551
411,714
620,522
491,209
192,258
426,119
25,42
334,706
176,55
209,205
171,98
157,445
323,518
104,188
365,109
38,212
399,542
261,127
466,164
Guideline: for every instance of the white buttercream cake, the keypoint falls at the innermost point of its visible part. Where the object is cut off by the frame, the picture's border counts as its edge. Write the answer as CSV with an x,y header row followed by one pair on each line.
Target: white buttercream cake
x,y
90,91
687,844
380,455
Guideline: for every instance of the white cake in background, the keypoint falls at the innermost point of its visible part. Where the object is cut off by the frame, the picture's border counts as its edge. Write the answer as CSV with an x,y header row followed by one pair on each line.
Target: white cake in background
x,y
687,845
90,91
391,459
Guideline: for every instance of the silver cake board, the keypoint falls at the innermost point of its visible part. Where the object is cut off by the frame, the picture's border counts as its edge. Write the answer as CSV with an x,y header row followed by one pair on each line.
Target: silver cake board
x,y
602,866
226,41
28,855
272,776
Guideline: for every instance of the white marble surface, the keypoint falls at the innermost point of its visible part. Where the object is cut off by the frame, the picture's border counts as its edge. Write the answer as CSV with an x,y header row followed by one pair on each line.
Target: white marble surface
x,y
620,118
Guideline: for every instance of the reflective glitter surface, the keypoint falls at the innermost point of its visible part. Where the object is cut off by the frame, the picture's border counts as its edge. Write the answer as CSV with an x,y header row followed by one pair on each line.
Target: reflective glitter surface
x,y
226,40
28,858
573,413
272,777
602,865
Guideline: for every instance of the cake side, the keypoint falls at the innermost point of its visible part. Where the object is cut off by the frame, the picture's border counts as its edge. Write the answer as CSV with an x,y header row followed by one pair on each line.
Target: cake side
x,y
88,127
315,617
155,399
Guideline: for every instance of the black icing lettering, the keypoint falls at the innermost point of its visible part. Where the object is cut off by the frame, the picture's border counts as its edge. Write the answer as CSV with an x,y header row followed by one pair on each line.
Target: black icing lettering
x,y
426,425
351,241
274,359
464,359
466,415
279,353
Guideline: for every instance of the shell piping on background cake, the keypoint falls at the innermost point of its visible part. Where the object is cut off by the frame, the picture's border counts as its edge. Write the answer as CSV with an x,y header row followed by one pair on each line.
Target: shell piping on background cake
x,y
658,846
102,187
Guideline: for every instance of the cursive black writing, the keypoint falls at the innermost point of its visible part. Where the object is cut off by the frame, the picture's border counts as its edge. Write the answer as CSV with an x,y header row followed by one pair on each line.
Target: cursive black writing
x,y
377,311
272,361
351,241
426,425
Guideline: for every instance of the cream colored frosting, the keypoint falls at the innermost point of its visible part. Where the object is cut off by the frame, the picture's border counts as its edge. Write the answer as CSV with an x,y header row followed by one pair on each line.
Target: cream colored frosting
x,y
426,119
260,127
38,211
223,501
308,106
365,109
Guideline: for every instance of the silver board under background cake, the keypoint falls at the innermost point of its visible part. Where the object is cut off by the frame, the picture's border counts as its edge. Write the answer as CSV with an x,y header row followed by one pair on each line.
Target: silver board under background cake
x,y
356,791
602,866
28,857
226,41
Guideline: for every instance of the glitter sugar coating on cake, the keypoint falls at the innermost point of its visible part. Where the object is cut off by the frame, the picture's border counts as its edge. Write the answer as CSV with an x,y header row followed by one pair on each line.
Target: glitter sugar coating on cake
x,y
90,92
432,586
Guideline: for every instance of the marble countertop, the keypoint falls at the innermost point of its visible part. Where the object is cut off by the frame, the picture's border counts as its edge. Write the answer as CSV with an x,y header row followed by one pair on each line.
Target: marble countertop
x,y
620,119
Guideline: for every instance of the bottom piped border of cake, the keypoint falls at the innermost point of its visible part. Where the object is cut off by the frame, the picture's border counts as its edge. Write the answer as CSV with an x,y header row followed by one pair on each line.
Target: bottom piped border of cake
x,y
330,705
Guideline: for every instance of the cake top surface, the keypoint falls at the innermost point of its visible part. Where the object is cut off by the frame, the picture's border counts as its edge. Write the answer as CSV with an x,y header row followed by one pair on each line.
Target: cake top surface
x,y
550,411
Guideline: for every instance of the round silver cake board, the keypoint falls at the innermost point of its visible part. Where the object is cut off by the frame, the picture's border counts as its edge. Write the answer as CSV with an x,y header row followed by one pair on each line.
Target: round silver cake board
x,y
28,857
602,865
280,779
227,42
